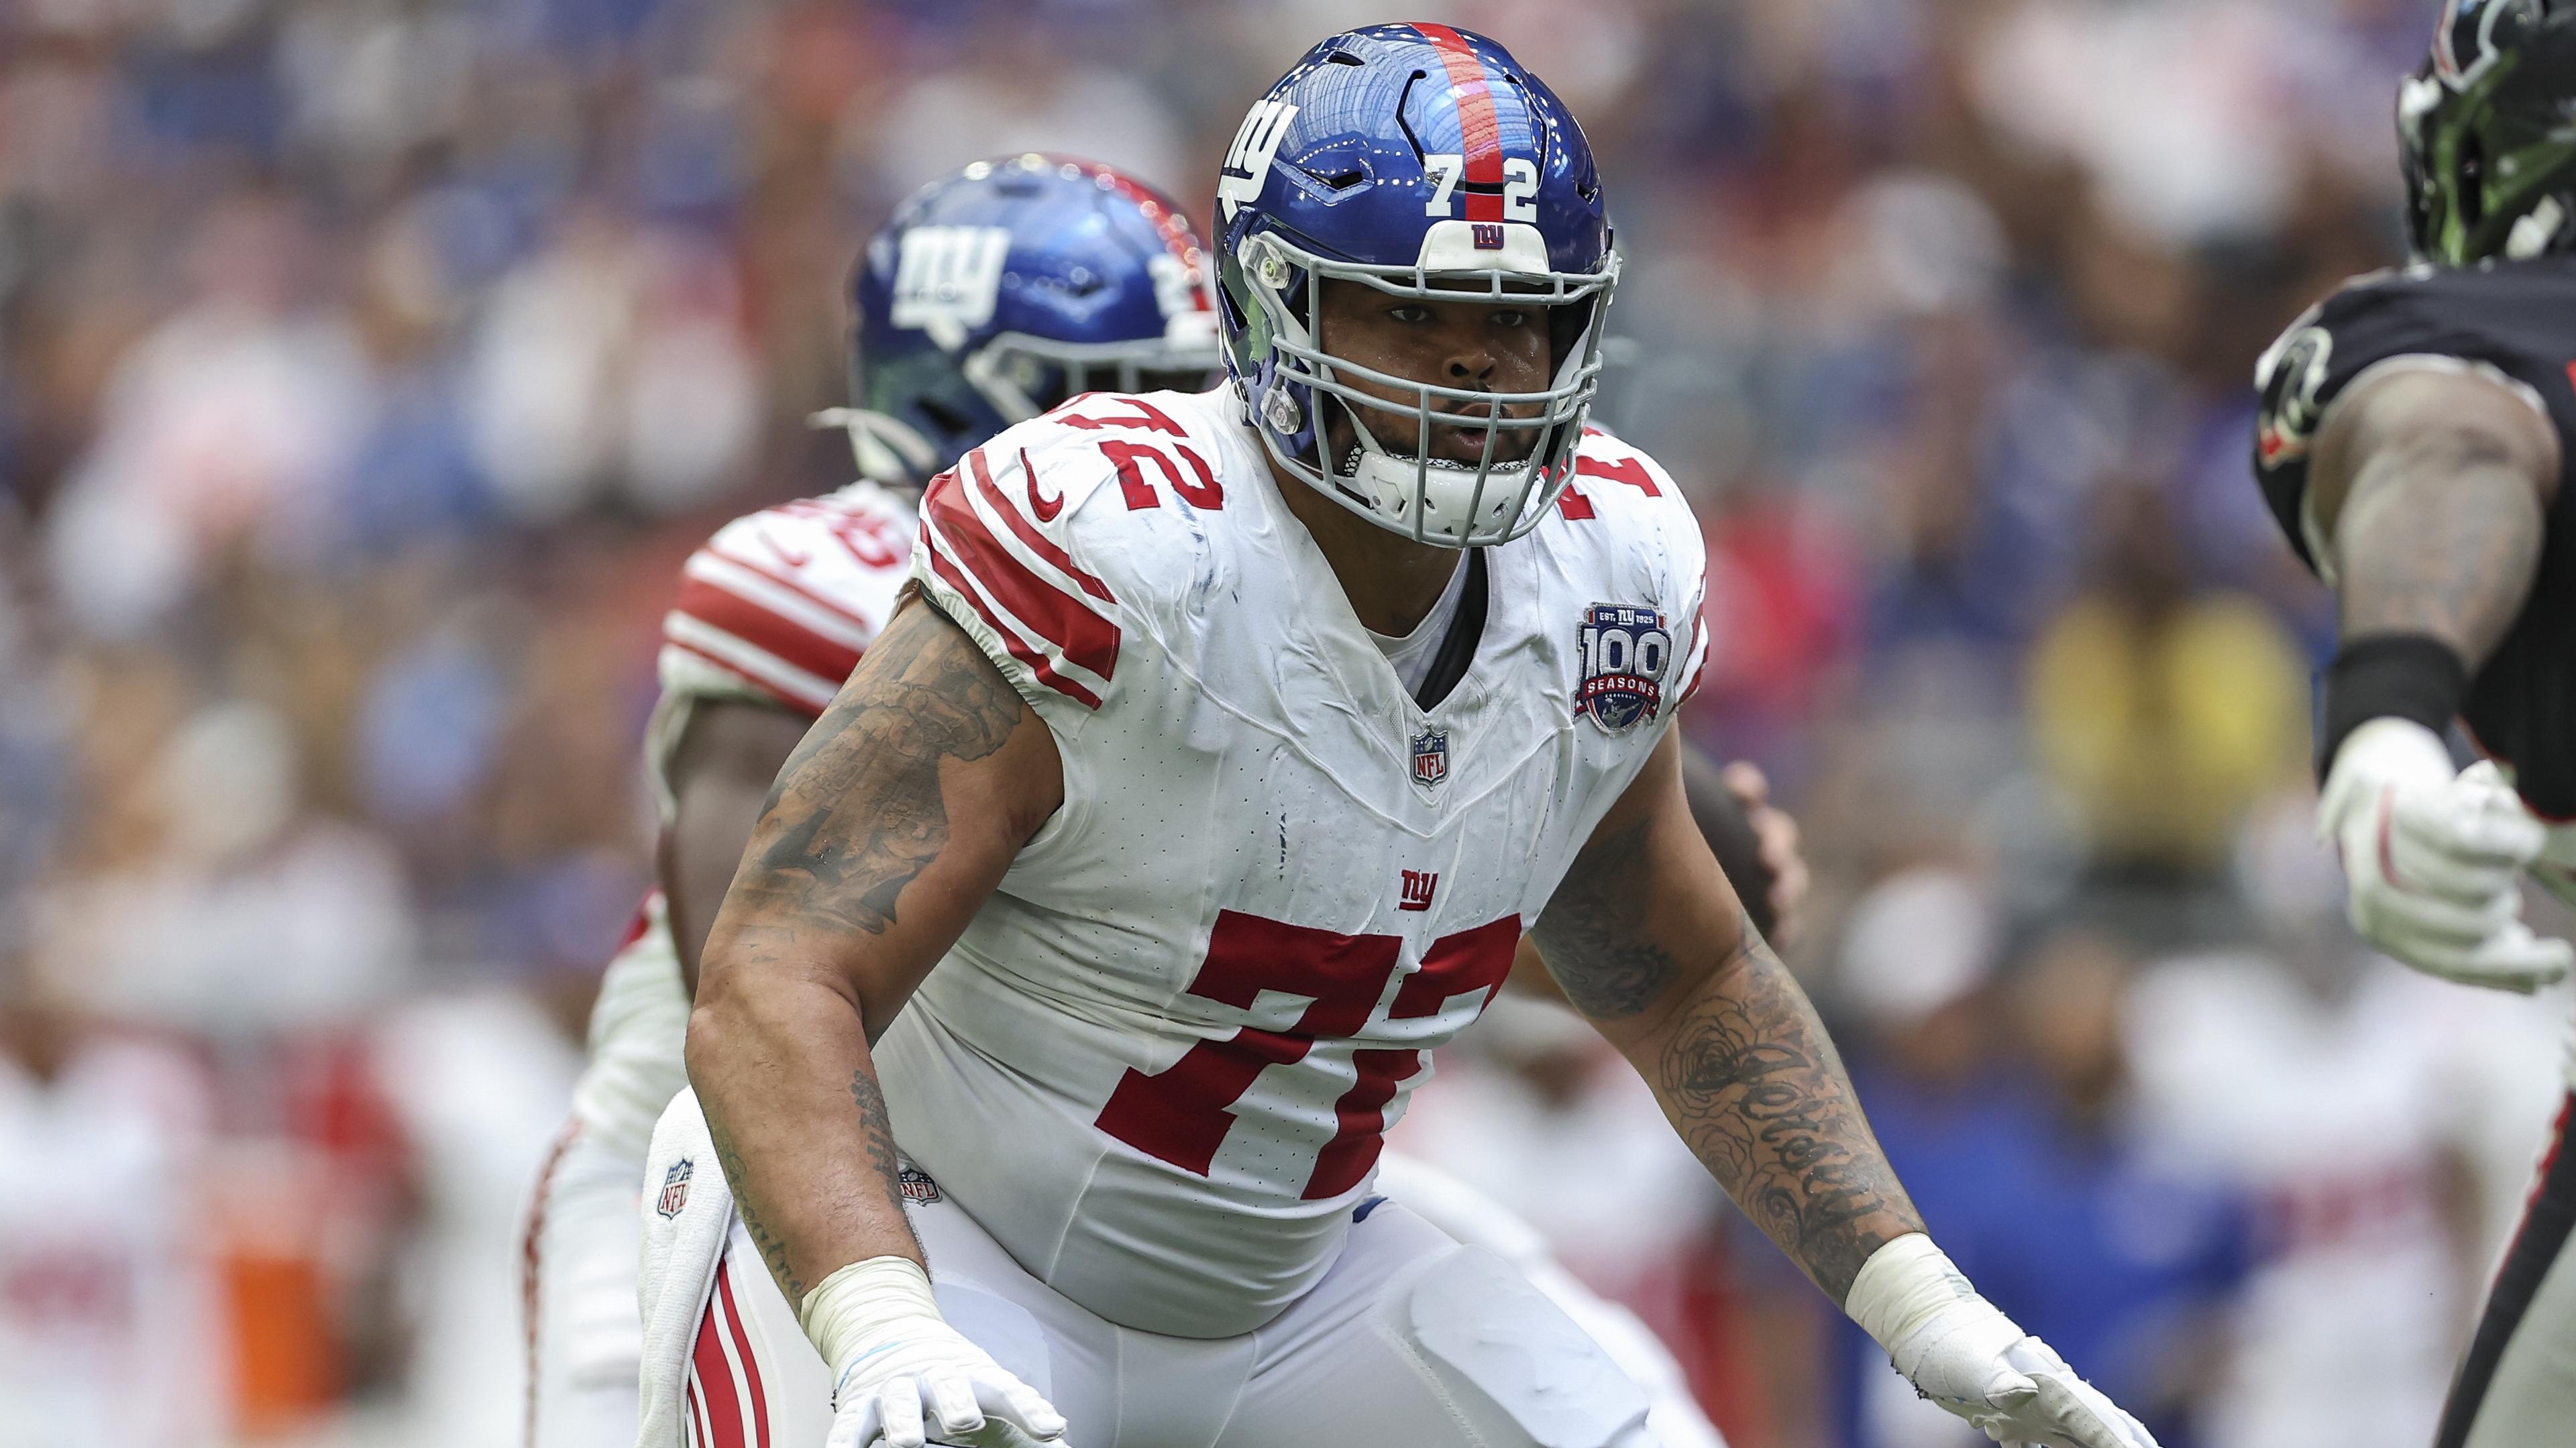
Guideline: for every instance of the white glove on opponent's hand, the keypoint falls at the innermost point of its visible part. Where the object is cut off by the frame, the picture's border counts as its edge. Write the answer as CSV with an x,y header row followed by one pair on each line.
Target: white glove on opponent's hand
x,y
2435,859
1963,1354
902,1377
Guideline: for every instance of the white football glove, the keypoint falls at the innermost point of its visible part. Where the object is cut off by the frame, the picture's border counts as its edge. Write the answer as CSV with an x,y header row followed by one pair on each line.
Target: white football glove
x,y
2434,859
1961,1352
902,1377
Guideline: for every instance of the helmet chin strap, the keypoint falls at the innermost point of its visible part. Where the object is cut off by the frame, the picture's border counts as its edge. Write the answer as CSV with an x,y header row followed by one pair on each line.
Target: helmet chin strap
x,y
1377,474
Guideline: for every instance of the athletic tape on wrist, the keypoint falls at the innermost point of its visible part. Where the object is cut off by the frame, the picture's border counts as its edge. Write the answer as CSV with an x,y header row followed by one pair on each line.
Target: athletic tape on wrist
x,y
2410,676
1904,1285
860,1302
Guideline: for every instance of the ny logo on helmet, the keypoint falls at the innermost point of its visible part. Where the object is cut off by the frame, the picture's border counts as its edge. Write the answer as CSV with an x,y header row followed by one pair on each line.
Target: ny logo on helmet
x,y
1247,161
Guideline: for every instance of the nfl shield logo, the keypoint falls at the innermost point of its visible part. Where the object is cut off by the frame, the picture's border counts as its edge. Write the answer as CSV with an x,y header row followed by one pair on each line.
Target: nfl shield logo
x,y
916,1185
1431,757
1624,651
675,1188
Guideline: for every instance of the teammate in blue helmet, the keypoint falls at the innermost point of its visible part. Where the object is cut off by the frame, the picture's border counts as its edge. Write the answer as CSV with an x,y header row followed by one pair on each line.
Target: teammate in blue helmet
x,y
998,292
1419,162
990,296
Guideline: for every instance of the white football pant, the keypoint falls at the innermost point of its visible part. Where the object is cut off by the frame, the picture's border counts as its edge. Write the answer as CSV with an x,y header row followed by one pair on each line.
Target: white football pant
x,y
1410,1339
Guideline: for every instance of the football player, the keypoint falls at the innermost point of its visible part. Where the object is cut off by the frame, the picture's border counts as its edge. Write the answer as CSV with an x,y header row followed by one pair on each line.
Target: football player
x,y
2413,446
1094,934
992,295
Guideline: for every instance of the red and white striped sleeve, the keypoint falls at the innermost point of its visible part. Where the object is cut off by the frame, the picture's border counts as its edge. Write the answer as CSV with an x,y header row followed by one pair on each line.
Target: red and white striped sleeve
x,y
779,605
994,557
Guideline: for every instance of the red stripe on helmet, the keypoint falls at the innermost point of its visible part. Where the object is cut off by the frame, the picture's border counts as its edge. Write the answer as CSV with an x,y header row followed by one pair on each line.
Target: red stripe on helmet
x,y
1480,127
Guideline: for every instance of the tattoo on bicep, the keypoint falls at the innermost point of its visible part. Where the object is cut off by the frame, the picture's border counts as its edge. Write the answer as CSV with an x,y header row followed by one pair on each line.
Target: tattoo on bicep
x,y
1755,1087
1592,932
2441,538
857,813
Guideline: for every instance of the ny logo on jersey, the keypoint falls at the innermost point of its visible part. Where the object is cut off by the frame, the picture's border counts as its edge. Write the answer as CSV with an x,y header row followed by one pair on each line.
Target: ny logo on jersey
x,y
1415,892
675,1188
948,279
1431,757
1624,652
1247,161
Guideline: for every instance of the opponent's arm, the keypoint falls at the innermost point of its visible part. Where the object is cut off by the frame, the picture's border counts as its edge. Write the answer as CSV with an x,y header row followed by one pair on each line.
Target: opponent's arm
x,y
1650,943
2432,487
721,771
2435,486
892,823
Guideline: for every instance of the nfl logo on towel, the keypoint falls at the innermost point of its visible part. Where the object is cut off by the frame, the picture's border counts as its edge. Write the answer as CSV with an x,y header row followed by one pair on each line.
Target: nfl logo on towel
x,y
1625,651
1431,757
675,1188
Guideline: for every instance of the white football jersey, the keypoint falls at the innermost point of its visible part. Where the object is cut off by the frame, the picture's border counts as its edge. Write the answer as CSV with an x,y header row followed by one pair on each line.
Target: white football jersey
x,y
109,1329
1158,1064
775,609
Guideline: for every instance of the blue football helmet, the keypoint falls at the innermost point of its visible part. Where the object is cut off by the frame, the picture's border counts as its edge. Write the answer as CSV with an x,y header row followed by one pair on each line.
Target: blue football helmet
x,y
999,292
1427,163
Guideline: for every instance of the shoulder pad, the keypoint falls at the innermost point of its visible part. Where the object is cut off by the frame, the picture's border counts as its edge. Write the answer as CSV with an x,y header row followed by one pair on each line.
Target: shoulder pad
x,y
781,603
1642,539
1061,536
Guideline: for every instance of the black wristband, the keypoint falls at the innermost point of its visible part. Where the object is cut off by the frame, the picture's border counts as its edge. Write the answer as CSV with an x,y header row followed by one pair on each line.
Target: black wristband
x,y
2390,676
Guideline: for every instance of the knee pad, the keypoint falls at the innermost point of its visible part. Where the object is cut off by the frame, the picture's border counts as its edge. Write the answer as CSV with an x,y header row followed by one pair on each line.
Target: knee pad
x,y
1493,1338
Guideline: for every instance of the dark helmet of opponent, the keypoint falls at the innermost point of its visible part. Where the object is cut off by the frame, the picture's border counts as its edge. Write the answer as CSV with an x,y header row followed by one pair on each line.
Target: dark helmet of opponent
x,y
1003,289
2487,133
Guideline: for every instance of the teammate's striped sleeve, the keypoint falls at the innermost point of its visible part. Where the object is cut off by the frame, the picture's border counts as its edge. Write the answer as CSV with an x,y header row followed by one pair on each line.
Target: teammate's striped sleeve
x,y
1041,618
758,625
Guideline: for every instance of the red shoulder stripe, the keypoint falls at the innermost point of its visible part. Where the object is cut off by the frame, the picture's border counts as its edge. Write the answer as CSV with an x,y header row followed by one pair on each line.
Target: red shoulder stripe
x,y
788,582
1036,661
1043,608
1039,543
786,692
731,613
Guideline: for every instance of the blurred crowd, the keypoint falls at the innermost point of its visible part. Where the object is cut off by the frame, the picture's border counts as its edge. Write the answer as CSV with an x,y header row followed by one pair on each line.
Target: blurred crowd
x,y
368,366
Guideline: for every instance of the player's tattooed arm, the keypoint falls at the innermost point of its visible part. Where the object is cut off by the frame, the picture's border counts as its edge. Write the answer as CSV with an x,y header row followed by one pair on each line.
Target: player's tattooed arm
x,y
890,824
2434,486
1650,943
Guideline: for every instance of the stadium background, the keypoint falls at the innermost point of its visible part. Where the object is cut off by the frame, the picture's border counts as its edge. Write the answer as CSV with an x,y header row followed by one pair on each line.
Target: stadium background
x,y
369,366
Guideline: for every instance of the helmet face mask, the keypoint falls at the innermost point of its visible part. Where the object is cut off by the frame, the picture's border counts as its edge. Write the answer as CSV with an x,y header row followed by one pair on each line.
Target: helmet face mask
x,y
1338,177
2487,133
1528,437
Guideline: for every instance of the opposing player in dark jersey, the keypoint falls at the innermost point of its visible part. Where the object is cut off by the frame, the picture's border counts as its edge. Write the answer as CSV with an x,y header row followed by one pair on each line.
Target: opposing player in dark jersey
x,y
2414,446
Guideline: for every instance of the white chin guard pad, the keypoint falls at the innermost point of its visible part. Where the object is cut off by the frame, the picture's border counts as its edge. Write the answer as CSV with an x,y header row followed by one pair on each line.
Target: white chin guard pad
x,y
1497,1344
